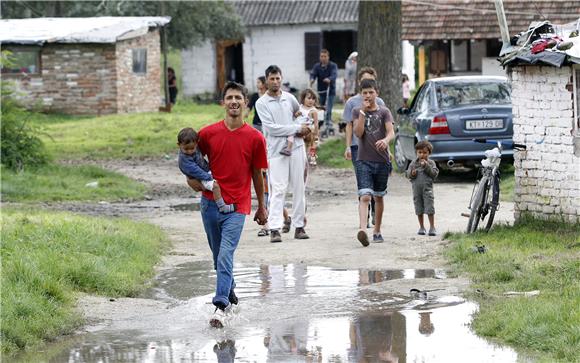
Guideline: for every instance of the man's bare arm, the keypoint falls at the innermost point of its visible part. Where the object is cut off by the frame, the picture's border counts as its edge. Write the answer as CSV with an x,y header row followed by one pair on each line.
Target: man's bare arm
x,y
261,215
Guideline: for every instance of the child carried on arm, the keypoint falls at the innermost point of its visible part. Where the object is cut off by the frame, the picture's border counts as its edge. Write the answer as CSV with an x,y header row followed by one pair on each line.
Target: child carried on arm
x,y
193,165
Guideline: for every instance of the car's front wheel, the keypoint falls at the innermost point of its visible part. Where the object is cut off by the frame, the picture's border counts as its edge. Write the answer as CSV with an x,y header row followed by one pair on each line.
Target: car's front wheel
x,y
400,159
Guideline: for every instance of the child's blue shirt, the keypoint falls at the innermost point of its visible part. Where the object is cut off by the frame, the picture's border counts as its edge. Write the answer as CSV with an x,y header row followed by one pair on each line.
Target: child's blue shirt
x,y
194,166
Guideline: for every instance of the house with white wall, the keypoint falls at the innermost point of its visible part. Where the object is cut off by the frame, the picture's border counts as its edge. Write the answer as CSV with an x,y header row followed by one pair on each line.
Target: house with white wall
x,y
289,34
546,118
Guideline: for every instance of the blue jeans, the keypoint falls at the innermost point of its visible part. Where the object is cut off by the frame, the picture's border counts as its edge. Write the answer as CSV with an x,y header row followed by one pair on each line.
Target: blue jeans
x,y
223,234
373,177
328,113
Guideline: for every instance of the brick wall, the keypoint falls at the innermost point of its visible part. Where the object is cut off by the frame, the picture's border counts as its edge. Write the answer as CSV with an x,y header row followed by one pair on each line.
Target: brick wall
x,y
139,92
548,173
94,79
74,79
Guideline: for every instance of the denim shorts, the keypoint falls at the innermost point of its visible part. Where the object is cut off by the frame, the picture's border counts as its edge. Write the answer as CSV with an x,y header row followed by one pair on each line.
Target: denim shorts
x,y
372,177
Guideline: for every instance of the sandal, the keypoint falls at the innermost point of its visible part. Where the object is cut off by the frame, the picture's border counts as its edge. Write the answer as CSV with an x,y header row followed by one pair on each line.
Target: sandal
x,y
263,233
287,224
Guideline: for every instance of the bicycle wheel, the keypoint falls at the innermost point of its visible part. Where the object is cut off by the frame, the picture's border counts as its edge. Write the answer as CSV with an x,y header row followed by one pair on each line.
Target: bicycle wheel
x,y
476,205
492,201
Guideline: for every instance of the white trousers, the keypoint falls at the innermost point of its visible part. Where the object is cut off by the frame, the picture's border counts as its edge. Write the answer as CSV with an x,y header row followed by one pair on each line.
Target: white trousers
x,y
284,172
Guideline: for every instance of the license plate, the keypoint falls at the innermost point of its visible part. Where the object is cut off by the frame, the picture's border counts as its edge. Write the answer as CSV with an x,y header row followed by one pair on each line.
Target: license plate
x,y
484,124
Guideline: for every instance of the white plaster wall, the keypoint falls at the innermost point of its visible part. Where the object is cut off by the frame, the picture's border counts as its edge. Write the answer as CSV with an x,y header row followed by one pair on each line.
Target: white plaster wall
x,y
548,173
198,68
408,52
490,66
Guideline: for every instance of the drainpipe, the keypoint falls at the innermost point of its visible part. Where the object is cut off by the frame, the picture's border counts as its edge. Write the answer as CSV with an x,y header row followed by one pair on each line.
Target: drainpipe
x,y
503,27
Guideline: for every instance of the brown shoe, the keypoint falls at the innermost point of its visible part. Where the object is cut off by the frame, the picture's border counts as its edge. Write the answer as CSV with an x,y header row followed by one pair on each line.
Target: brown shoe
x,y
363,238
287,223
275,236
300,233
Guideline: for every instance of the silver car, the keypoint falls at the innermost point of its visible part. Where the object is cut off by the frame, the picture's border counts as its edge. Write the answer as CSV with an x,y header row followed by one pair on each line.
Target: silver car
x,y
449,112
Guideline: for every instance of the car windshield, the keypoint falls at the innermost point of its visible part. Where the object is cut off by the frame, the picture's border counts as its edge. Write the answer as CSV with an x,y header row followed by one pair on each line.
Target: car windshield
x,y
460,94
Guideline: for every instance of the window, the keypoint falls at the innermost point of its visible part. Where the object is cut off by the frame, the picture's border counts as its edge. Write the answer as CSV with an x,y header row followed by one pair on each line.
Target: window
x,y
140,60
459,56
23,61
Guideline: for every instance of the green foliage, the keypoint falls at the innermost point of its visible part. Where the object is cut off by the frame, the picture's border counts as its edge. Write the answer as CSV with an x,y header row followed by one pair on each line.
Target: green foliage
x,y
191,21
21,146
532,255
56,183
48,256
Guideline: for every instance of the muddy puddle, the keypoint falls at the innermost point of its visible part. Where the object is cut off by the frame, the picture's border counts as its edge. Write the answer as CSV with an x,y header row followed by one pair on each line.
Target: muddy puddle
x,y
288,313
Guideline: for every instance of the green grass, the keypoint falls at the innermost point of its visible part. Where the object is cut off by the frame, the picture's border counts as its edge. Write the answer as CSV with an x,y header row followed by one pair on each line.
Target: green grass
x,y
532,255
331,154
67,183
123,135
48,256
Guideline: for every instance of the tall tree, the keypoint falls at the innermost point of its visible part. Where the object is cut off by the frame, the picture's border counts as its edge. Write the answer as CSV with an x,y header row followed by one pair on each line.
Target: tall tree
x,y
191,21
379,46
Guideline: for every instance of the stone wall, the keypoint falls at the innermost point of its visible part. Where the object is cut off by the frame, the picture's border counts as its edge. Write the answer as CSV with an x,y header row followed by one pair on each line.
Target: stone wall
x,y
139,92
74,79
548,173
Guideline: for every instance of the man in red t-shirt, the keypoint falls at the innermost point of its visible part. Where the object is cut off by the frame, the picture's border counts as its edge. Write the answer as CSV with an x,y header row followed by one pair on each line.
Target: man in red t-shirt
x,y
237,155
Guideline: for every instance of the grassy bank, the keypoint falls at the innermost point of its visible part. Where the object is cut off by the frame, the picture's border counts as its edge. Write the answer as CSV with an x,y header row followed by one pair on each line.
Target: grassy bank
x,y
532,255
54,183
123,135
48,256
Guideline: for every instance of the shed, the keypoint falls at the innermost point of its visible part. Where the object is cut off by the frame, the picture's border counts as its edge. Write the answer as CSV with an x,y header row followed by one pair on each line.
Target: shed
x,y
100,65
546,118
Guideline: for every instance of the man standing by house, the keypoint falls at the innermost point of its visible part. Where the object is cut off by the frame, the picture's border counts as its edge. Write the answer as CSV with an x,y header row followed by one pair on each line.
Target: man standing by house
x,y
276,109
325,73
237,155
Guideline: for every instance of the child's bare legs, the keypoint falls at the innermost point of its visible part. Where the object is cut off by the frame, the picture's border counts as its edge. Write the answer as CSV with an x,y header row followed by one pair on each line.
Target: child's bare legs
x,y
289,144
421,221
432,230
363,210
379,208
217,196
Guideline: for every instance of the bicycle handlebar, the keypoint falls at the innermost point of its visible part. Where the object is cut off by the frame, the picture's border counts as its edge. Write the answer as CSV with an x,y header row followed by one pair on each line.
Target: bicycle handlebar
x,y
507,143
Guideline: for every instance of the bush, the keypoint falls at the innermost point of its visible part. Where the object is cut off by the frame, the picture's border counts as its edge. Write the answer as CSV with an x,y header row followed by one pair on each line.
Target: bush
x,y
20,145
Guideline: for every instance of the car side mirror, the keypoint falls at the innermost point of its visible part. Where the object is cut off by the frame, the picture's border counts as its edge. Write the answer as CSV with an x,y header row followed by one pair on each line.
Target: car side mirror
x,y
403,111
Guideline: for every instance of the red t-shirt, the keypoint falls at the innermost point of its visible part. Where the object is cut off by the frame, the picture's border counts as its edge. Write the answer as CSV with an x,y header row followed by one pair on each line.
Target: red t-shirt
x,y
232,157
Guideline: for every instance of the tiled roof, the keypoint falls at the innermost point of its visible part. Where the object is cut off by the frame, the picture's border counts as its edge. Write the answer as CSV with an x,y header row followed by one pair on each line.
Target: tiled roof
x,y
421,19
477,19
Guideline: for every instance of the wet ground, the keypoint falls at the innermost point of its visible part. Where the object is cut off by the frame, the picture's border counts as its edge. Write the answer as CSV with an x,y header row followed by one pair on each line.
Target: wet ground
x,y
289,313
326,299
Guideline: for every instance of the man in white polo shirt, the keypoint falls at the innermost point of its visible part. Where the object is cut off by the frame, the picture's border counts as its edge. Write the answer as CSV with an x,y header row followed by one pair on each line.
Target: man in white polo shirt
x,y
276,109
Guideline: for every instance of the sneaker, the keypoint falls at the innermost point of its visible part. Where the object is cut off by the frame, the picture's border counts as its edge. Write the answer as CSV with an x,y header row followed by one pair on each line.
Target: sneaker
x,y
220,316
362,238
263,233
300,233
432,231
421,231
287,224
275,236
378,238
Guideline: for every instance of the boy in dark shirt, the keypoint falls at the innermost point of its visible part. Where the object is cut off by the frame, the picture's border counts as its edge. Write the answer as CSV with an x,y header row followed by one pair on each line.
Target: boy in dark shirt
x,y
373,125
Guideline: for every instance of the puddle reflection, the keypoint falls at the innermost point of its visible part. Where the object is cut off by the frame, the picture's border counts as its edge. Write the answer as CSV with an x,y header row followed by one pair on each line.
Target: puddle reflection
x,y
290,313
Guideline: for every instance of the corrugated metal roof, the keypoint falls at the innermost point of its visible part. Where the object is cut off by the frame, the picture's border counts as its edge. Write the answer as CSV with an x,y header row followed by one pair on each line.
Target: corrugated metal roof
x,y
256,13
76,30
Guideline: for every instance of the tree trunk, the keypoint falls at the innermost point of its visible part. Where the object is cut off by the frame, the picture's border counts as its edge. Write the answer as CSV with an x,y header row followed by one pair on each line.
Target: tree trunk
x,y
379,46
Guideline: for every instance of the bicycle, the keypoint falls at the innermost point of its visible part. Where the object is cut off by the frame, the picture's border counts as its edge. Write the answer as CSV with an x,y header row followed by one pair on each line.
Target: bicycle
x,y
485,195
